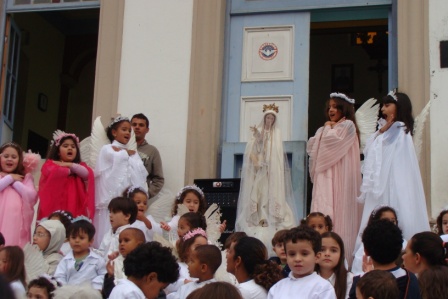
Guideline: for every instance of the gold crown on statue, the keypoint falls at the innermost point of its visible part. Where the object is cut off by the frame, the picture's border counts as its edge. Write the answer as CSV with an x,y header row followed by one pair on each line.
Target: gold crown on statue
x,y
272,107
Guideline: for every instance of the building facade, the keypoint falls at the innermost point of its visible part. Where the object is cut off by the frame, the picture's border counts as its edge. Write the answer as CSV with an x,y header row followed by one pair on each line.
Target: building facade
x,y
193,66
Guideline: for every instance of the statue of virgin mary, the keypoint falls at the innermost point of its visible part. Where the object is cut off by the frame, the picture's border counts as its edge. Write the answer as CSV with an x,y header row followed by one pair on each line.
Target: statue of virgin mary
x,y
266,202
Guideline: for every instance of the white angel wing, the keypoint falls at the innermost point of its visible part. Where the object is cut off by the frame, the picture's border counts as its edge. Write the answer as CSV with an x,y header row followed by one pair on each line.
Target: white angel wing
x,y
35,264
80,291
213,220
160,205
366,119
84,148
221,274
91,146
165,243
182,209
419,125
132,144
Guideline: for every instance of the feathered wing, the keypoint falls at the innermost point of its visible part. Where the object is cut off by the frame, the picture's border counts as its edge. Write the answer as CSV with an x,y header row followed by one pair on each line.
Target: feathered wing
x,y
84,290
84,149
213,220
221,274
132,144
165,243
419,126
366,119
160,205
35,264
91,146
182,209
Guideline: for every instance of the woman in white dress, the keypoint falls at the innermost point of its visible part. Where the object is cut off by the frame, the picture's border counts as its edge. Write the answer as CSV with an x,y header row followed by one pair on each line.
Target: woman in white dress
x,y
265,203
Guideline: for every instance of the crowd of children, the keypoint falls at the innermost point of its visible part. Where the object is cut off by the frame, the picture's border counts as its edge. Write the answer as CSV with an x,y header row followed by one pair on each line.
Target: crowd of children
x,y
94,235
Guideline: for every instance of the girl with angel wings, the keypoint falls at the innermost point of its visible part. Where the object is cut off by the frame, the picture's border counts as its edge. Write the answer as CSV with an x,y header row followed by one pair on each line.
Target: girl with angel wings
x,y
66,183
335,169
266,202
117,166
391,174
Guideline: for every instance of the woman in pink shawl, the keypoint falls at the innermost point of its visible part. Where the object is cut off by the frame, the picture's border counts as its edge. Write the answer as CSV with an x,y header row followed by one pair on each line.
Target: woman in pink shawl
x,y
17,194
66,183
335,170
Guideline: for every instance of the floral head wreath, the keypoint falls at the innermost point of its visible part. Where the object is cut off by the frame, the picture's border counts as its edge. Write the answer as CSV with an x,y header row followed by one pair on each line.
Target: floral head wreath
x,y
58,135
118,119
189,187
65,214
378,207
82,217
197,231
136,188
342,96
393,95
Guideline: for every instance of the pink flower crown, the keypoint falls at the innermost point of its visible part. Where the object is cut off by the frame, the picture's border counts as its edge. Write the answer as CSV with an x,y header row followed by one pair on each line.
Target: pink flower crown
x,y
192,233
58,135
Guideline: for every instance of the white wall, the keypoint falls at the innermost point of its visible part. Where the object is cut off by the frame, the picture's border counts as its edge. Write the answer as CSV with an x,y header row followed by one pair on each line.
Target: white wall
x,y
438,31
154,76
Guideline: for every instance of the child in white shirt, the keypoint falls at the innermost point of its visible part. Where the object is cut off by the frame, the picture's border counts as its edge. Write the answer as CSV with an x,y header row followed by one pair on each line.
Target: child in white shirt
x,y
146,223
203,262
82,264
302,246
122,213
149,268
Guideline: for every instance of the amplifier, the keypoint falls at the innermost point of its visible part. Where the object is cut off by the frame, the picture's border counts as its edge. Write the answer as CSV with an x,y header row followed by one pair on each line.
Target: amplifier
x,y
223,192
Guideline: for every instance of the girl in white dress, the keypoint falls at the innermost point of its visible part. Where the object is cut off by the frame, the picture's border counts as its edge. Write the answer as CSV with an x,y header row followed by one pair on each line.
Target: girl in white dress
x,y
146,223
116,168
331,264
391,174
193,198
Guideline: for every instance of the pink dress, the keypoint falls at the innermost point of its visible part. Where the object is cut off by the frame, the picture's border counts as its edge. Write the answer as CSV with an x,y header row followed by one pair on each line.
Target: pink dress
x,y
335,170
70,189
17,200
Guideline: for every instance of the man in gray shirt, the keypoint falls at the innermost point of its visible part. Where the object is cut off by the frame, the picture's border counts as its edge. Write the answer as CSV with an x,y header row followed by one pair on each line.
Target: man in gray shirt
x,y
149,154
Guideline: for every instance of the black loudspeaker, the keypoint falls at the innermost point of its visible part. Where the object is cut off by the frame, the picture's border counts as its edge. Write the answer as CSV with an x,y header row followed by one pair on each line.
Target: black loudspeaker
x,y
223,192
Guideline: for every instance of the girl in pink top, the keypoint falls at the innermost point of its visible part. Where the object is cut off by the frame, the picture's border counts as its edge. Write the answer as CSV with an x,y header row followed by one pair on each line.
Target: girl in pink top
x,y
17,195
335,169
66,183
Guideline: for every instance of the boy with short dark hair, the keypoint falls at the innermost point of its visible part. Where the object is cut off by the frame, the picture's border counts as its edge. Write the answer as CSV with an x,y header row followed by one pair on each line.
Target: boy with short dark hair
x,y
203,263
82,264
382,241
122,213
302,247
279,249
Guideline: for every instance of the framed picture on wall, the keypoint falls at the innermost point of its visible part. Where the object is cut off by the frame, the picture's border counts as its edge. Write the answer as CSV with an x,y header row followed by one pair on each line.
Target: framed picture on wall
x,y
342,78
